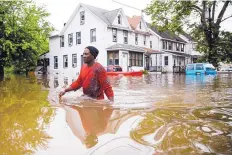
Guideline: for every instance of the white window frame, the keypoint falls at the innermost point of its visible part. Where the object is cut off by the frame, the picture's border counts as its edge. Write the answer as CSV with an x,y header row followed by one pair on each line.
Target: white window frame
x,y
119,19
114,34
125,37
82,17
55,62
65,60
182,47
62,41
93,37
166,61
78,38
136,38
144,40
170,45
177,47
70,39
74,60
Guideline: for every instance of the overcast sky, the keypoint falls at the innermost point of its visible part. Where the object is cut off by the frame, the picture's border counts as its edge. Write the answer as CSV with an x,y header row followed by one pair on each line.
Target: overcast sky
x,y
61,10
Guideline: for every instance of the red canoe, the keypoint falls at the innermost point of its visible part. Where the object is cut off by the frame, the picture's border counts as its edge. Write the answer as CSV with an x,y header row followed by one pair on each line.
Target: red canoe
x,y
138,73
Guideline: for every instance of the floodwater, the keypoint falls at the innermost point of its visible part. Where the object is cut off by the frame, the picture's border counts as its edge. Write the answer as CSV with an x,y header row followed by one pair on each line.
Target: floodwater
x,y
184,115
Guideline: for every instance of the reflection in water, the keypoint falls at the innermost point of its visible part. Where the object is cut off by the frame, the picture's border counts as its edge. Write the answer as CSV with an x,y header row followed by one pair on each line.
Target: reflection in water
x,y
56,83
24,115
186,131
88,123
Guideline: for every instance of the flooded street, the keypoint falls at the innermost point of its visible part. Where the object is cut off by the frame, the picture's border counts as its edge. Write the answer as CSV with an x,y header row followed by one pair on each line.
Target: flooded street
x,y
188,115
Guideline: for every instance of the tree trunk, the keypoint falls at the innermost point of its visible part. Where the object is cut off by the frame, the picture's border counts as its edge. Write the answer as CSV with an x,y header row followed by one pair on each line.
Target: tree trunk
x,y
1,73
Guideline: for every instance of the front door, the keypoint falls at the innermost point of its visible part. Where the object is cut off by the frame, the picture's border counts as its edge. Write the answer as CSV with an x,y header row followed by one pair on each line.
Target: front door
x,y
124,62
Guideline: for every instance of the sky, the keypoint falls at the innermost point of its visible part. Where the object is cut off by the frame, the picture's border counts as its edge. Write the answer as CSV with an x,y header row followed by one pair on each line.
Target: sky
x,y
61,10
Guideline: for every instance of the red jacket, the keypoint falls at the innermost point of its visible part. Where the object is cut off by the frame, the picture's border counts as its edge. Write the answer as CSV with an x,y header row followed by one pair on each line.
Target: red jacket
x,y
94,81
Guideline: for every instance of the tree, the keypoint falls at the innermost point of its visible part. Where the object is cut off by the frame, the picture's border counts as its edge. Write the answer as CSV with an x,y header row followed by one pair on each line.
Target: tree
x,y
200,17
24,34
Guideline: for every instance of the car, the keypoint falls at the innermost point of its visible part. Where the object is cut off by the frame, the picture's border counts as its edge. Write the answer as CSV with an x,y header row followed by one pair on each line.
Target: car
x,y
113,68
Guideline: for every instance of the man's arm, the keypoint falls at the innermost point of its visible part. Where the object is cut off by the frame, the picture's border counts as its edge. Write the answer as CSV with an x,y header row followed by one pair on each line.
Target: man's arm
x,y
74,86
105,84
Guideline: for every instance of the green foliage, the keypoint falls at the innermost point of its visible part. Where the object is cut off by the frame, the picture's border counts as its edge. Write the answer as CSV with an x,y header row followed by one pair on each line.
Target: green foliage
x,y
200,19
24,34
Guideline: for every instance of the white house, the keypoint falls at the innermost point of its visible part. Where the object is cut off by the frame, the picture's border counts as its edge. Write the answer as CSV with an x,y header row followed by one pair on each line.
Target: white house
x,y
190,48
118,41
169,55
129,42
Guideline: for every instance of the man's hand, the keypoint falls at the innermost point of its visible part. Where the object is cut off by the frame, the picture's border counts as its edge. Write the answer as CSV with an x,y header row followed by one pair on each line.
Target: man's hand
x,y
62,93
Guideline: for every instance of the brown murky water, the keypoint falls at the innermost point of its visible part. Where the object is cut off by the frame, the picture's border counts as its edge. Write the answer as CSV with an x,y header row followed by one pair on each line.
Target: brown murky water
x,y
189,115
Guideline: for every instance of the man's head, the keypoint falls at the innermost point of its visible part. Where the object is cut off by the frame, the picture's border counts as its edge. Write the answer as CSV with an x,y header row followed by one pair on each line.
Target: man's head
x,y
90,53
91,141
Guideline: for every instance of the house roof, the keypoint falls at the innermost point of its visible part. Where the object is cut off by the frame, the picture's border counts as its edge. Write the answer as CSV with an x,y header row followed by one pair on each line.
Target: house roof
x,y
166,34
105,15
125,47
187,35
134,21
151,51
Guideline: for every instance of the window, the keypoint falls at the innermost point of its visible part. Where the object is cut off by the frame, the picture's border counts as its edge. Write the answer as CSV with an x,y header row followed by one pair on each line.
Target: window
x,y
166,60
136,59
74,60
190,67
113,58
78,38
70,39
140,25
61,41
136,39
199,67
125,37
114,33
55,62
82,17
177,46
150,44
182,47
144,40
164,44
93,35
65,61
169,45
119,19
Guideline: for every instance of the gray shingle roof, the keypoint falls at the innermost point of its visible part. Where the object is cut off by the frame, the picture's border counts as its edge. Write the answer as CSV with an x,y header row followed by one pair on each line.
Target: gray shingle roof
x,y
111,15
105,15
125,47
166,34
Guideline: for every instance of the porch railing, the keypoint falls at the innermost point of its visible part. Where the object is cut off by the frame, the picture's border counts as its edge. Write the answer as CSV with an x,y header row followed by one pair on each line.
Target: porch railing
x,y
178,69
155,68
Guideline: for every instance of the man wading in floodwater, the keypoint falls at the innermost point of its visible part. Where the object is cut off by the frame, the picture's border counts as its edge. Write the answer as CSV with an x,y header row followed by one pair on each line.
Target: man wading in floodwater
x,y
92,78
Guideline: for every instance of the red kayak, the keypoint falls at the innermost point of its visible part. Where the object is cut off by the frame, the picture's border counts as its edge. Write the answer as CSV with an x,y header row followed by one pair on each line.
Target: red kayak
x,y
138,73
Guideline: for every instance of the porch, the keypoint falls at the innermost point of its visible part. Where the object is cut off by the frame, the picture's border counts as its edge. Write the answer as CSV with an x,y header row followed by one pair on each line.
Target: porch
x,y
130,58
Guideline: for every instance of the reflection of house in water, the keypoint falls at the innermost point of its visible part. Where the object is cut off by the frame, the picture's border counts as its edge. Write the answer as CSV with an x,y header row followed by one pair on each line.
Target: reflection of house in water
x,y
66,81
56,83
105,131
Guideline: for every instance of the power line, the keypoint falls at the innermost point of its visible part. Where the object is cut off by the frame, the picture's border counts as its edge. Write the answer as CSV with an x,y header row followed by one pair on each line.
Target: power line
x,y
128,5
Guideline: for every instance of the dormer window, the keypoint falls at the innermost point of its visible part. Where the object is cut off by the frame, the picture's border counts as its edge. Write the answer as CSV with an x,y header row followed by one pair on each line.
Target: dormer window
x,y
119,19
82,17
140,25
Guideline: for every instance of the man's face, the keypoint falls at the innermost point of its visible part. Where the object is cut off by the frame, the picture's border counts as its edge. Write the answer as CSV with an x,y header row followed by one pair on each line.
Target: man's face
x,y
87,56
